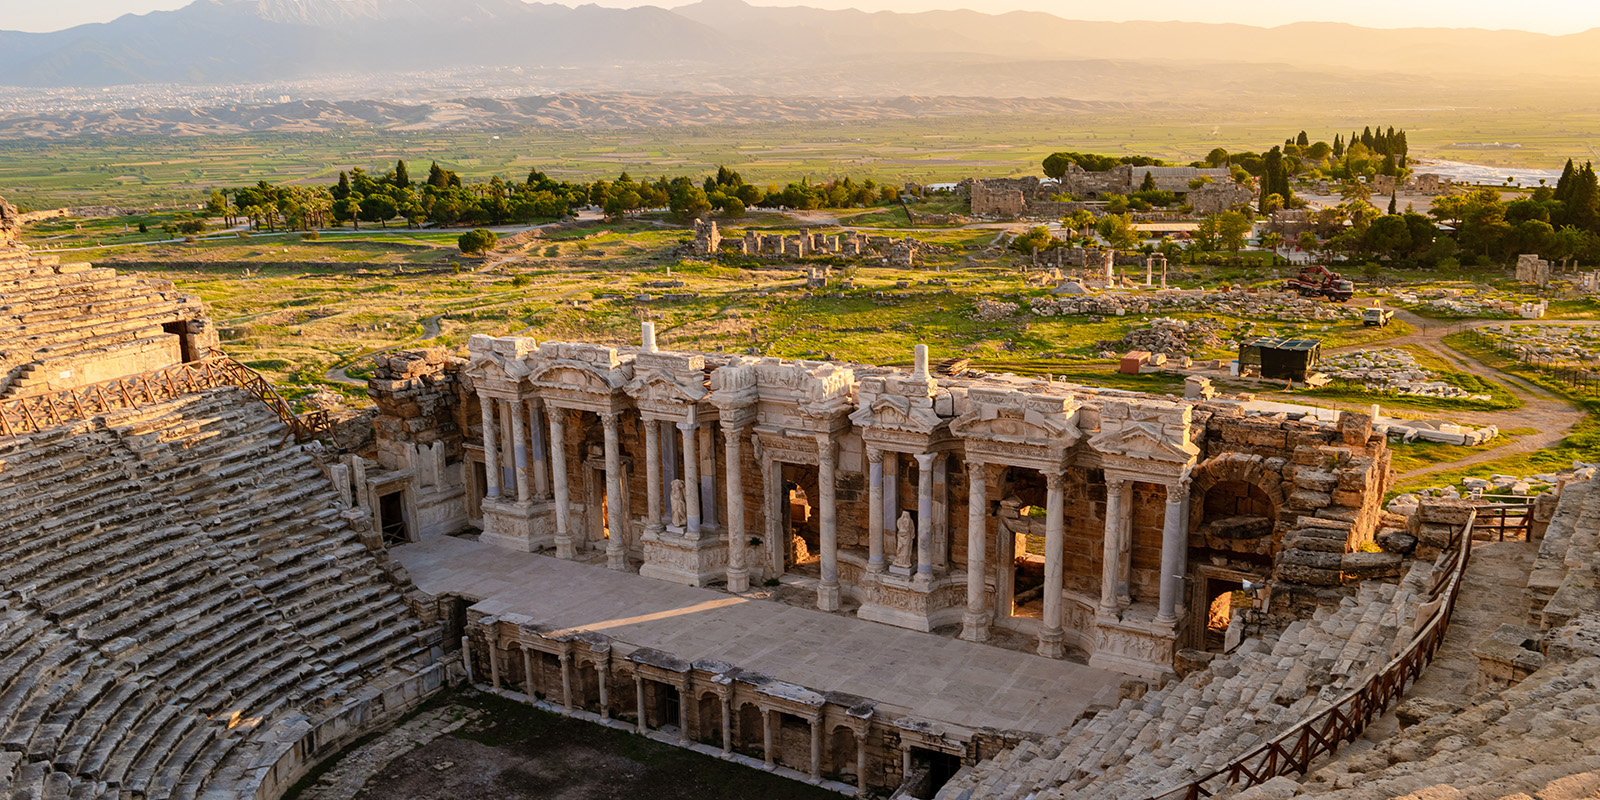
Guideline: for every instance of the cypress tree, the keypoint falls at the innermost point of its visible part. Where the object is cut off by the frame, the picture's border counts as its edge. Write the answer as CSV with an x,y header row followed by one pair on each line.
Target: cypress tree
x,y
1583,209
402,178
342,190
1338,146
1564,185
1366,139
436,177
1303,140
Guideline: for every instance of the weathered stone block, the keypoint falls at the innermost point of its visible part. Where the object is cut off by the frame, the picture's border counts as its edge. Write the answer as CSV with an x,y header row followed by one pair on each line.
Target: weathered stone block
x,y
1318,480
1372,565
1310,558
1306,499
1396,541
1310,576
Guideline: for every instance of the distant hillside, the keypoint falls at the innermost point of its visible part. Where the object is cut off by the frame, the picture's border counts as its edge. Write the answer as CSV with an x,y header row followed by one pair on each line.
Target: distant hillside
x,y
234,41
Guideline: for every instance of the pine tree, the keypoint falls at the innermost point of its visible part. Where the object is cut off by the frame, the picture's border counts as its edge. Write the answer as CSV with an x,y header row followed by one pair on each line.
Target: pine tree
x,y
402,178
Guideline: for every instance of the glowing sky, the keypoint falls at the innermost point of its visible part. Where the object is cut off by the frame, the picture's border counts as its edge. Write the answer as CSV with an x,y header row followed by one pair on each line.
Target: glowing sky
x,y
1545,16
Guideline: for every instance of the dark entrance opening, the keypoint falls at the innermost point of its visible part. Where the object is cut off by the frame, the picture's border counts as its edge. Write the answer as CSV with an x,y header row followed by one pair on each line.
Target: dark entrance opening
x,y
185,340
1222,598
391,512
930,771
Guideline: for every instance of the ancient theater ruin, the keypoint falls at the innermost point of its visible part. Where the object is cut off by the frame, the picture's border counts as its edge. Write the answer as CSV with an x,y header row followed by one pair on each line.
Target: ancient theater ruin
x,y
886,581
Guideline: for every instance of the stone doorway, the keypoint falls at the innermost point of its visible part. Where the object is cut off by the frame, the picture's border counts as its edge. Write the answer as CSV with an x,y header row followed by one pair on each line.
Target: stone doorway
x,y
1217,594
392,518
800,522
1022,548
842,755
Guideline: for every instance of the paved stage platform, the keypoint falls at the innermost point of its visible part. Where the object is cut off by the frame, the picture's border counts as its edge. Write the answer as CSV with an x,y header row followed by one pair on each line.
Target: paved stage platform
x,y
933,677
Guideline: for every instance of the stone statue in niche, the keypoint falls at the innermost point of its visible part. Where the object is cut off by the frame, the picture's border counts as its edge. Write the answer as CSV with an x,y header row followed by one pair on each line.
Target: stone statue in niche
x,y
680,509
905,541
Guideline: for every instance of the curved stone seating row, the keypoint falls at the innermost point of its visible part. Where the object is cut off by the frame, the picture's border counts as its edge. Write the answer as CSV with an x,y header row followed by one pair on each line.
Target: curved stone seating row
x,y
177,589
53,314
1213,715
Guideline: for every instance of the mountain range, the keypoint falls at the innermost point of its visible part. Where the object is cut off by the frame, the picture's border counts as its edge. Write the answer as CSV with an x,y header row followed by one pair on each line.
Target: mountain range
x,y
732,46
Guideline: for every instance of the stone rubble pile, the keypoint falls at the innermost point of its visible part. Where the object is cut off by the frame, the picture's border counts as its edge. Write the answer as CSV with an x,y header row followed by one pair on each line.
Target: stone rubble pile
x,y
1547,342
1282,306
1521,486
1392,370
1170,337
994,310
1165,738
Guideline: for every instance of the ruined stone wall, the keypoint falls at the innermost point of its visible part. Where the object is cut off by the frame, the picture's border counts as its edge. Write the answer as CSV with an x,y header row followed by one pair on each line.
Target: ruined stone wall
x,y
1002,197
10,224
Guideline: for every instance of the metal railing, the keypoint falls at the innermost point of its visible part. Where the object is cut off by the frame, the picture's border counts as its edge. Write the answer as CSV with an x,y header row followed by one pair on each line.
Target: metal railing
x,y
34,413
1322,734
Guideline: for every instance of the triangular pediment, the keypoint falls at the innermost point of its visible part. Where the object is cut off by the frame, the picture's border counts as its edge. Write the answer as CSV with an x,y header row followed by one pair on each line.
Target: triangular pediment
x,y
1143,440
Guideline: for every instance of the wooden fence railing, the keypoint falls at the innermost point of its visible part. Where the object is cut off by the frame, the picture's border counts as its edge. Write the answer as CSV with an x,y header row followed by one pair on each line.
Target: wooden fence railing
x,y
1323,734
29,414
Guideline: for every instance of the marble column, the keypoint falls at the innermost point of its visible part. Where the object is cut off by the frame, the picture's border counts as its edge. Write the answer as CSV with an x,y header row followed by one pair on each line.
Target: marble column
x,y
727,723
638,702
975,623
652,480
861,763
541,461
566,680
519,449
691,478
925,513
1174,549
828,587
875,561
491,448
816,747
1111,555
1125,550
1051,635
527,675
891,490
508,460
616,541
558,482
602,668
738,570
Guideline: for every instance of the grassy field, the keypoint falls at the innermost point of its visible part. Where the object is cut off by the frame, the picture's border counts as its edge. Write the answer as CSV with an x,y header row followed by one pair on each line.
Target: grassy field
x,y
148,171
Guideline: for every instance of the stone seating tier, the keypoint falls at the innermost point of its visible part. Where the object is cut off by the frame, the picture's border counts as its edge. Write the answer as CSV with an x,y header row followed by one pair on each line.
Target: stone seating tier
x,y
1214,715
53,315
176,587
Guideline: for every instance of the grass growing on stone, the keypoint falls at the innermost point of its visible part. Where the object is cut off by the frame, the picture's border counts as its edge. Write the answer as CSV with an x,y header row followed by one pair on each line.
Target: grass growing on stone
x,y
1420,454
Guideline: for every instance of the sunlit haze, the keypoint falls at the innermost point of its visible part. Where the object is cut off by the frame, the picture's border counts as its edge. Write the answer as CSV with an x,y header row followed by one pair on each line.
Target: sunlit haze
x,y
1544,16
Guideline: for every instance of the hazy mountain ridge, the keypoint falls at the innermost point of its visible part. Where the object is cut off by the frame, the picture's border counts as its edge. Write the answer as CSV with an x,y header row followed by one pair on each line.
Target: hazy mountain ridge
x,y
223,41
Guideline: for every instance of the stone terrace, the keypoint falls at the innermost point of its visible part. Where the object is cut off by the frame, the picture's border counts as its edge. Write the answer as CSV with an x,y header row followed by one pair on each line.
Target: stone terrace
x,y
69,325
947,680
184,610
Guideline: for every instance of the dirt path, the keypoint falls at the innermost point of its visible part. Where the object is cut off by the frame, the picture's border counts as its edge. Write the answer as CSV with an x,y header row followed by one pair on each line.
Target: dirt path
x,y
1553,416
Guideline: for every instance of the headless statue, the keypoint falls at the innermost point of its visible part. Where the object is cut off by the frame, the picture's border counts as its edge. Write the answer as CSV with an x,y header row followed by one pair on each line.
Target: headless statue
x,y
905,541
680,509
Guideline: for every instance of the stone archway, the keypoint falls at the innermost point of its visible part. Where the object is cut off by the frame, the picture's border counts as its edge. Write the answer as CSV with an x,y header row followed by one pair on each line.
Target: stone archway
x,y
842,754
1236,493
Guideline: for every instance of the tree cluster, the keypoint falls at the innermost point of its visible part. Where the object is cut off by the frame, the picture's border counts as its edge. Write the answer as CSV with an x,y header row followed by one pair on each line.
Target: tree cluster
x,y
1057,164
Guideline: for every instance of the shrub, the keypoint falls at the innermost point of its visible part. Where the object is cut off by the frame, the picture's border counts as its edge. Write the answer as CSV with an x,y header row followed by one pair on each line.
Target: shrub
x,y
478,241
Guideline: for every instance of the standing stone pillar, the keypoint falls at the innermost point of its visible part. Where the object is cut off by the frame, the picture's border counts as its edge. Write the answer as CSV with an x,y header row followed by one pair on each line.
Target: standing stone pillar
x,y
638,701
727,722
1174,549
691,478
1111,555
558,482
828,588
566,681
652,480
683,711
602,668
1052,634
494,662
861,762
491,449
768,752
616,545
541,462
875,561
527,676
975,623
925,513
1125,550
519,449
816,747
738,570
891,490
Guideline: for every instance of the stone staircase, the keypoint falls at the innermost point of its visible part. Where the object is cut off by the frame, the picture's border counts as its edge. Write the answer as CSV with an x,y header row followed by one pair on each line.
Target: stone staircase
x,y
1171,736
175,590
53,315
